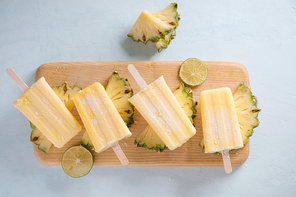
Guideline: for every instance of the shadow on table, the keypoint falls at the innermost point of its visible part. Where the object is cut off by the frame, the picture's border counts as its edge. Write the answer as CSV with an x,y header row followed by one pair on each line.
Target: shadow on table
x,y
138,49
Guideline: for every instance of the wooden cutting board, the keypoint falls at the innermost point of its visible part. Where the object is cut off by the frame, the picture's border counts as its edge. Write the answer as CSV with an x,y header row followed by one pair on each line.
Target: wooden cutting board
x,y
83,74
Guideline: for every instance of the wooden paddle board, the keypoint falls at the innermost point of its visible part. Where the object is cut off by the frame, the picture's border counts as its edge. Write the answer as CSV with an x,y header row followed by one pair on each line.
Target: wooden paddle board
x,y
83,74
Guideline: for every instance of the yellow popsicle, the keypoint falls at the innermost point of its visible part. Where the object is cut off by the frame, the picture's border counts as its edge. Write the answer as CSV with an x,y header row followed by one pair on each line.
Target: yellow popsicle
x,y
101,119
219,120
47,112
157,104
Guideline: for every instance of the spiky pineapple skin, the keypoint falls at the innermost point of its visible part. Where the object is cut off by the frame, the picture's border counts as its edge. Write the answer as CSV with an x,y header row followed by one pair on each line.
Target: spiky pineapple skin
x,y
40,140
168,17
64,92
171,9
247,111
85,140
149,28
164,42
184,96
150,140
127,111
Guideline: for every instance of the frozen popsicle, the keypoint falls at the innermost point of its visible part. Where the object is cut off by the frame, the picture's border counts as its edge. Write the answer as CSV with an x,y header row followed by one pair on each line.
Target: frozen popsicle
x,y
157,104
46,111
220,123
102,121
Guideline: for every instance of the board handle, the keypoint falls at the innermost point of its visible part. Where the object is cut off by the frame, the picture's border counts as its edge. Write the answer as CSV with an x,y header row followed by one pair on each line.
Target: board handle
x,y
120,154
136,75
226,161
19,82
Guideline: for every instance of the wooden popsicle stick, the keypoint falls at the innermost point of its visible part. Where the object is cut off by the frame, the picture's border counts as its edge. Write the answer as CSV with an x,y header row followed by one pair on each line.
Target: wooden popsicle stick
x,y
136,75
226,161
19,82
120,154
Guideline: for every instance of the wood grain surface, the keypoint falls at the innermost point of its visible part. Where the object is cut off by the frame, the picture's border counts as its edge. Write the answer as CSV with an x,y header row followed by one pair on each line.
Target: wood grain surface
x,y
83,74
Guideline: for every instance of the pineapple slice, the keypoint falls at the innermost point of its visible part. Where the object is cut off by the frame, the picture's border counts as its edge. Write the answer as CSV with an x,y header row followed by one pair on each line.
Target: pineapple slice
x,y
149,139
39,139
148,27
169,15
247,112
158,28
184,96
65,93
119,91
85,140
164,42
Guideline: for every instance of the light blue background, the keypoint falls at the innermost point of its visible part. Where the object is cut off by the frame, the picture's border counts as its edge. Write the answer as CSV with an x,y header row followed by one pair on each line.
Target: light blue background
x,y
259,34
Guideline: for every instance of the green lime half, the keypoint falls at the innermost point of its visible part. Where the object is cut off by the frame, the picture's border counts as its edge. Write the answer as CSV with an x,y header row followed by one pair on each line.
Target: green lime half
x,y
193,72
77,161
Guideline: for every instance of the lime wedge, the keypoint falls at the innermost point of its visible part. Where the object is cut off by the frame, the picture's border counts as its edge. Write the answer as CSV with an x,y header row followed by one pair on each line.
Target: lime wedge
x,y
193,72
77,161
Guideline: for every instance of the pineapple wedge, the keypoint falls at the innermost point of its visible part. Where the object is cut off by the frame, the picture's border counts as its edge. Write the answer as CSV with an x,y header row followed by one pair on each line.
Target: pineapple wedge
x,y
158,28
148,27
169,15
39,139
247,111
184,96
149,139
66,93
119,91
164,42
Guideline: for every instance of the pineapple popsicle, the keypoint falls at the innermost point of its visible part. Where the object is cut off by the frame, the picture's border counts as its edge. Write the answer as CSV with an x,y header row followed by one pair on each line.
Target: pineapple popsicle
x,y
219,120
46,111
157,104
102,121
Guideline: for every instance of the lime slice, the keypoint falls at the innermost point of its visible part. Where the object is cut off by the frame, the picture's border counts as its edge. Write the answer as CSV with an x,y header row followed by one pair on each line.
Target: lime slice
x,y
193,72
77,161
